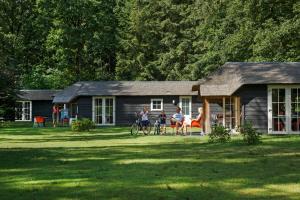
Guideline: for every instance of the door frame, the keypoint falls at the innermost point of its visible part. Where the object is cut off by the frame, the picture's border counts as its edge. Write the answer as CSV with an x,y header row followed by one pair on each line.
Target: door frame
x,y
190,104
288,109
103,110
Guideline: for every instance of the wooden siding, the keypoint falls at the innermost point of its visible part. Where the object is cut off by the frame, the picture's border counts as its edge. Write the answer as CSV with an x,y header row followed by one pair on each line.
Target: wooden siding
x,y
254,102
42,108
126,106
85,104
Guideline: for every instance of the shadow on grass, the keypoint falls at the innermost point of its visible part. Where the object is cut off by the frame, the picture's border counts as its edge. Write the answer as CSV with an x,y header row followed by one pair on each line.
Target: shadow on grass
x,y
156,171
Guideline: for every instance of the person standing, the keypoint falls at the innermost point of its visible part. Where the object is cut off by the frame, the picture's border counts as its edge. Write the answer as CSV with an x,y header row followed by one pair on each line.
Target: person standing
x,y
162,120
145,119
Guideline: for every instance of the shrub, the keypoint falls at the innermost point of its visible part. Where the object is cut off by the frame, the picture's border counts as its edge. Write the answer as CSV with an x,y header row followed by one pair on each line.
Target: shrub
x,y
83,125
250,134
219,134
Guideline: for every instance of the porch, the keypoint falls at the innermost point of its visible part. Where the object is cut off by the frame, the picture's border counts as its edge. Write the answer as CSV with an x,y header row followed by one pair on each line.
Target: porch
x,y
222,110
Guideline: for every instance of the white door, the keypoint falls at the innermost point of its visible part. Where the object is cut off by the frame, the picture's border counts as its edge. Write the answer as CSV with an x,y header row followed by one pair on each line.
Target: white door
x,y
104,110
185,102
278,112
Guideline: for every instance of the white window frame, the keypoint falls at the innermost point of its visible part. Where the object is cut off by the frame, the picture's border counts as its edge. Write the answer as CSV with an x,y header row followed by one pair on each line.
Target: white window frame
x,y
288,108
190,104
103,110
23,112
161,104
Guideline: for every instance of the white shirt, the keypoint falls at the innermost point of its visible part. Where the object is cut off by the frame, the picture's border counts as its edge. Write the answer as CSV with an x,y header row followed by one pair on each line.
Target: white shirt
x,y
144,115
178,117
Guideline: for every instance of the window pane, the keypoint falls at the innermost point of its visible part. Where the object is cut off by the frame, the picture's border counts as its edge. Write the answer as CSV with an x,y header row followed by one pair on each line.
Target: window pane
x,y
274,95
281,109
109,111
295,124
98,111
281,95
19,111
294,95
294,109
156,105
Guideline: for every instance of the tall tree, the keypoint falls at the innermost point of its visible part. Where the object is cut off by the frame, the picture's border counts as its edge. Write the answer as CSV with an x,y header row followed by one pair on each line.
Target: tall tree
x,y
16,52
82,40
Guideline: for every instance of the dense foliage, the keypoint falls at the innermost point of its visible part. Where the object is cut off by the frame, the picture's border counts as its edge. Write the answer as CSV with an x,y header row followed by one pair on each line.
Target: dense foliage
x,y
51,44
250,135
82,125
219,134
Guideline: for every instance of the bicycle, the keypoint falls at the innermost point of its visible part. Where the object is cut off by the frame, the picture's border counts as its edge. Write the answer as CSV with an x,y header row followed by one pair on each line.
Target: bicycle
x,y
157,128
137,126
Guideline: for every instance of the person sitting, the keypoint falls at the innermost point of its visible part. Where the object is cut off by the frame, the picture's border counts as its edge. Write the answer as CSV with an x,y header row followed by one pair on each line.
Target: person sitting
x,y
145,120
162,121
199,119
178,119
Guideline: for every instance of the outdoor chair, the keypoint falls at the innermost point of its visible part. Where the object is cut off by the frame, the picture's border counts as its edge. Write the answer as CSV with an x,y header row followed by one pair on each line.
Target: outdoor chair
x,y
196,123
39,121
173,126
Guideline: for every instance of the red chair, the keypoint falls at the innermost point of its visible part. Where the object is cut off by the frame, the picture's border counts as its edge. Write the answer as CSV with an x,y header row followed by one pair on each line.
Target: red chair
x,y
196,123
39,121
173,125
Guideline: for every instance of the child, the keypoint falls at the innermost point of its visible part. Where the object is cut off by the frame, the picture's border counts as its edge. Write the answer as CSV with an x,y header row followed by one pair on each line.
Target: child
x,y
162,120
145,121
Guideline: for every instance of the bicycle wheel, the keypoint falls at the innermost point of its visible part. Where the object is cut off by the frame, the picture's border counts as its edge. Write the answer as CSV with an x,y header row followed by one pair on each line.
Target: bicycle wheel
x,y
147,129
134,129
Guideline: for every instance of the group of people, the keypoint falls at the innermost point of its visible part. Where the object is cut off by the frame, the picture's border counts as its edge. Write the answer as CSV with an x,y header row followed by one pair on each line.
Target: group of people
x,y
177,119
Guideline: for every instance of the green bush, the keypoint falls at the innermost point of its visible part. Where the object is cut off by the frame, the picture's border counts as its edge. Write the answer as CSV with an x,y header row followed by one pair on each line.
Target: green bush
x,y
219,134
83,125
250,134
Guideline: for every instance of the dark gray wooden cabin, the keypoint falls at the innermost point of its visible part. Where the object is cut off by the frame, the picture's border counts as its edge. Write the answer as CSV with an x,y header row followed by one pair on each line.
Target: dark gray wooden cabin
x,y
116,102
264,94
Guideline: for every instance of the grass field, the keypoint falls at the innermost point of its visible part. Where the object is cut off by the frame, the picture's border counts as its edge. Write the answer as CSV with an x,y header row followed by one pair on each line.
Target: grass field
x,y
107,163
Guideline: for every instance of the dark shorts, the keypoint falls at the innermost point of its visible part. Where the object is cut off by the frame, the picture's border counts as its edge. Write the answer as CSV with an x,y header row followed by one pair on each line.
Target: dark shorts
x,y
163,122
145,123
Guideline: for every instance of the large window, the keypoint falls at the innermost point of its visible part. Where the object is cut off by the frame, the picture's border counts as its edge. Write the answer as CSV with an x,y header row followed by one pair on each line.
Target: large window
x,y
156,104
278,109
104,110
283,109
23,111
229,111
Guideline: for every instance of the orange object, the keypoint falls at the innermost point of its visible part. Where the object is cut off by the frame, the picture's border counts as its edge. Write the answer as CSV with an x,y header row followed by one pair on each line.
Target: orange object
x,y
39,119
196,123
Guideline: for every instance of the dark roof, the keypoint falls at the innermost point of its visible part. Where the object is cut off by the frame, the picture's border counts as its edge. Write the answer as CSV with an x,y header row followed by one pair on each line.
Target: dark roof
x,y
33,95
232,75
125,88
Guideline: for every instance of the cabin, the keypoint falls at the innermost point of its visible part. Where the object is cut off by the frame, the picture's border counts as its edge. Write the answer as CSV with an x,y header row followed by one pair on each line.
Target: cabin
x,y
116,102
111,102
264,94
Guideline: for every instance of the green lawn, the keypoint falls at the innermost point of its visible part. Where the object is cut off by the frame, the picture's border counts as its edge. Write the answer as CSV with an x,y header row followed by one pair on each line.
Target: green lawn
x,y
107,163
